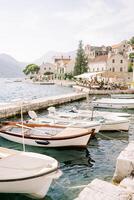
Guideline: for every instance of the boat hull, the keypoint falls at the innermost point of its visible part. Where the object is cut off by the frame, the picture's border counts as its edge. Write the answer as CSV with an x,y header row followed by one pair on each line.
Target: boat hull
x,y
34,187
115,126
113,105
79,141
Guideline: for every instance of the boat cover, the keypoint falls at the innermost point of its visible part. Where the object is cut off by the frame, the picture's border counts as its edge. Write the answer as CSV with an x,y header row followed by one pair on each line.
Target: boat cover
x,y
25,164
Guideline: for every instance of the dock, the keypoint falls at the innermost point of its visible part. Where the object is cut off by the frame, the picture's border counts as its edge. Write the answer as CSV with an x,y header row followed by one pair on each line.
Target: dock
x,y
14,108
123,177
102,190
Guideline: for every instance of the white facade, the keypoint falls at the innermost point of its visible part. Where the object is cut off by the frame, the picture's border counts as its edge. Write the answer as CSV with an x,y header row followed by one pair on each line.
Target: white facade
x,y
64,65
97,67
46,67
98,64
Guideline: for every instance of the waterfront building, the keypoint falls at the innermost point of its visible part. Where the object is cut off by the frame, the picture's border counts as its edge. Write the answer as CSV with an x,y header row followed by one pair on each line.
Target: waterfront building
x,y
46,72
46,68
93,51
98,64
63,65
115,64
121,47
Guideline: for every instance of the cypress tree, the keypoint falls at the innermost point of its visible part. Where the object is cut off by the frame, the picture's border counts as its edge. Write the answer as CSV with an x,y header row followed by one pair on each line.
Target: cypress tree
x,y
81,61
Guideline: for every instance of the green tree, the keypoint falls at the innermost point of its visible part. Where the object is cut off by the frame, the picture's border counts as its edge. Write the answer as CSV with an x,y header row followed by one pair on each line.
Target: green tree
x,y
131,55
81,61
31,69
130,67
131,41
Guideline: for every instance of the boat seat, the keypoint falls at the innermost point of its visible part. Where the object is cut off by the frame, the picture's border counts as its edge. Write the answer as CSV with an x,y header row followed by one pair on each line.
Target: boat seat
x,y
71,132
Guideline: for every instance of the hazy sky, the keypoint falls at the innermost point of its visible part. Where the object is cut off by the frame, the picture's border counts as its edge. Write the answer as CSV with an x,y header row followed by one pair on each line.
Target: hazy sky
x,y
30,28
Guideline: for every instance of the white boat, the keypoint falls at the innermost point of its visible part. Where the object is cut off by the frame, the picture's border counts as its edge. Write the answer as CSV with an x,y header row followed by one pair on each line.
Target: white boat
x,y
66,121
97,113
114,103
47,136
108,122
26,172
114,123
122,96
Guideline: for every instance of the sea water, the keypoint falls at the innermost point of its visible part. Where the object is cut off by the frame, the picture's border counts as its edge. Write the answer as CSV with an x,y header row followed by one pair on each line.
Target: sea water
x,y
79,166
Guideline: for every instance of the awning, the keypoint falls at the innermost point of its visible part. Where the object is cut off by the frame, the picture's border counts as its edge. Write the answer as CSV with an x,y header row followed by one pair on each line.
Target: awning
x,y
89,75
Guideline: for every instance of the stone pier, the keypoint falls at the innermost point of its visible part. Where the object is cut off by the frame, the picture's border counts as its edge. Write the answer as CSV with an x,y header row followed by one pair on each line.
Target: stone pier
x,y
13,108
124,176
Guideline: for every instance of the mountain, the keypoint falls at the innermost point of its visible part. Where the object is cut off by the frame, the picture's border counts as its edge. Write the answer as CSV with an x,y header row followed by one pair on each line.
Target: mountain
x,y
9,67
49,56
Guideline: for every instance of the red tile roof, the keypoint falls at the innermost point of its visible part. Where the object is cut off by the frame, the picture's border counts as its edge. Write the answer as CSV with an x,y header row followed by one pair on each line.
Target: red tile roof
x,y
102,58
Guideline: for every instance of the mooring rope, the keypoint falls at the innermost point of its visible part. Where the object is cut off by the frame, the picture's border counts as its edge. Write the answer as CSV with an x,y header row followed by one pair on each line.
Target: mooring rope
x,y
70,187
108,137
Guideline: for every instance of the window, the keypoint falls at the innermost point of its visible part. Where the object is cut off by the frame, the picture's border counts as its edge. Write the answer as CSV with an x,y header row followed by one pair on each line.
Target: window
x,y
124,46
49,68
121,69
121,61
110,69
44,68
102,68
113,61
97,69
113,69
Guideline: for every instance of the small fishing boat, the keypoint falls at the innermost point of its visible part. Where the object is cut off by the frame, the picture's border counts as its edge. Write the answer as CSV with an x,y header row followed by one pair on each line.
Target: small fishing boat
x,y
113,123
97,113
108,122
26,172
122,96
64,122
114,103
49,136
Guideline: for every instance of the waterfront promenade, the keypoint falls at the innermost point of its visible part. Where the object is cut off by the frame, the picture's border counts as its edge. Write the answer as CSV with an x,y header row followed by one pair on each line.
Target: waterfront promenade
x,y
101,92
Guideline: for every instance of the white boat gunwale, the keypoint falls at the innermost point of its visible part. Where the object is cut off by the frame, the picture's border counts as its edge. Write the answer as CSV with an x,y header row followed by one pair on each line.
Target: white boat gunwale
x,y
47,138
31,177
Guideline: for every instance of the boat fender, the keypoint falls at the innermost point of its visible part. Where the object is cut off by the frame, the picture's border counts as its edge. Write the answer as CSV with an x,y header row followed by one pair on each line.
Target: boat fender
x,y
43,142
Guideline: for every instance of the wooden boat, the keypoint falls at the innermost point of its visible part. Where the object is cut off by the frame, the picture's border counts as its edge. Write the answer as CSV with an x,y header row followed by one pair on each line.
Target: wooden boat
x,y
48,136
114,103
26,172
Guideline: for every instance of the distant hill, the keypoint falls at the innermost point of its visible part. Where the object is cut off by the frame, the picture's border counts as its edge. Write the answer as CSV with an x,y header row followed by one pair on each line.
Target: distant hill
x,y
9,67
49,56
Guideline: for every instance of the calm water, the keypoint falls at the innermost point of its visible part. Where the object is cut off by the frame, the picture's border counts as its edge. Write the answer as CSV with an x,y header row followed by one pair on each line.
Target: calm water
x,y
79,167
10,90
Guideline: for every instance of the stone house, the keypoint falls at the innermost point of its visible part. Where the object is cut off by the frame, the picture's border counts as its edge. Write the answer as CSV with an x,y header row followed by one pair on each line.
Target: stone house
x,y
98,64
117,63
122,47
93,51
63,65
46,68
